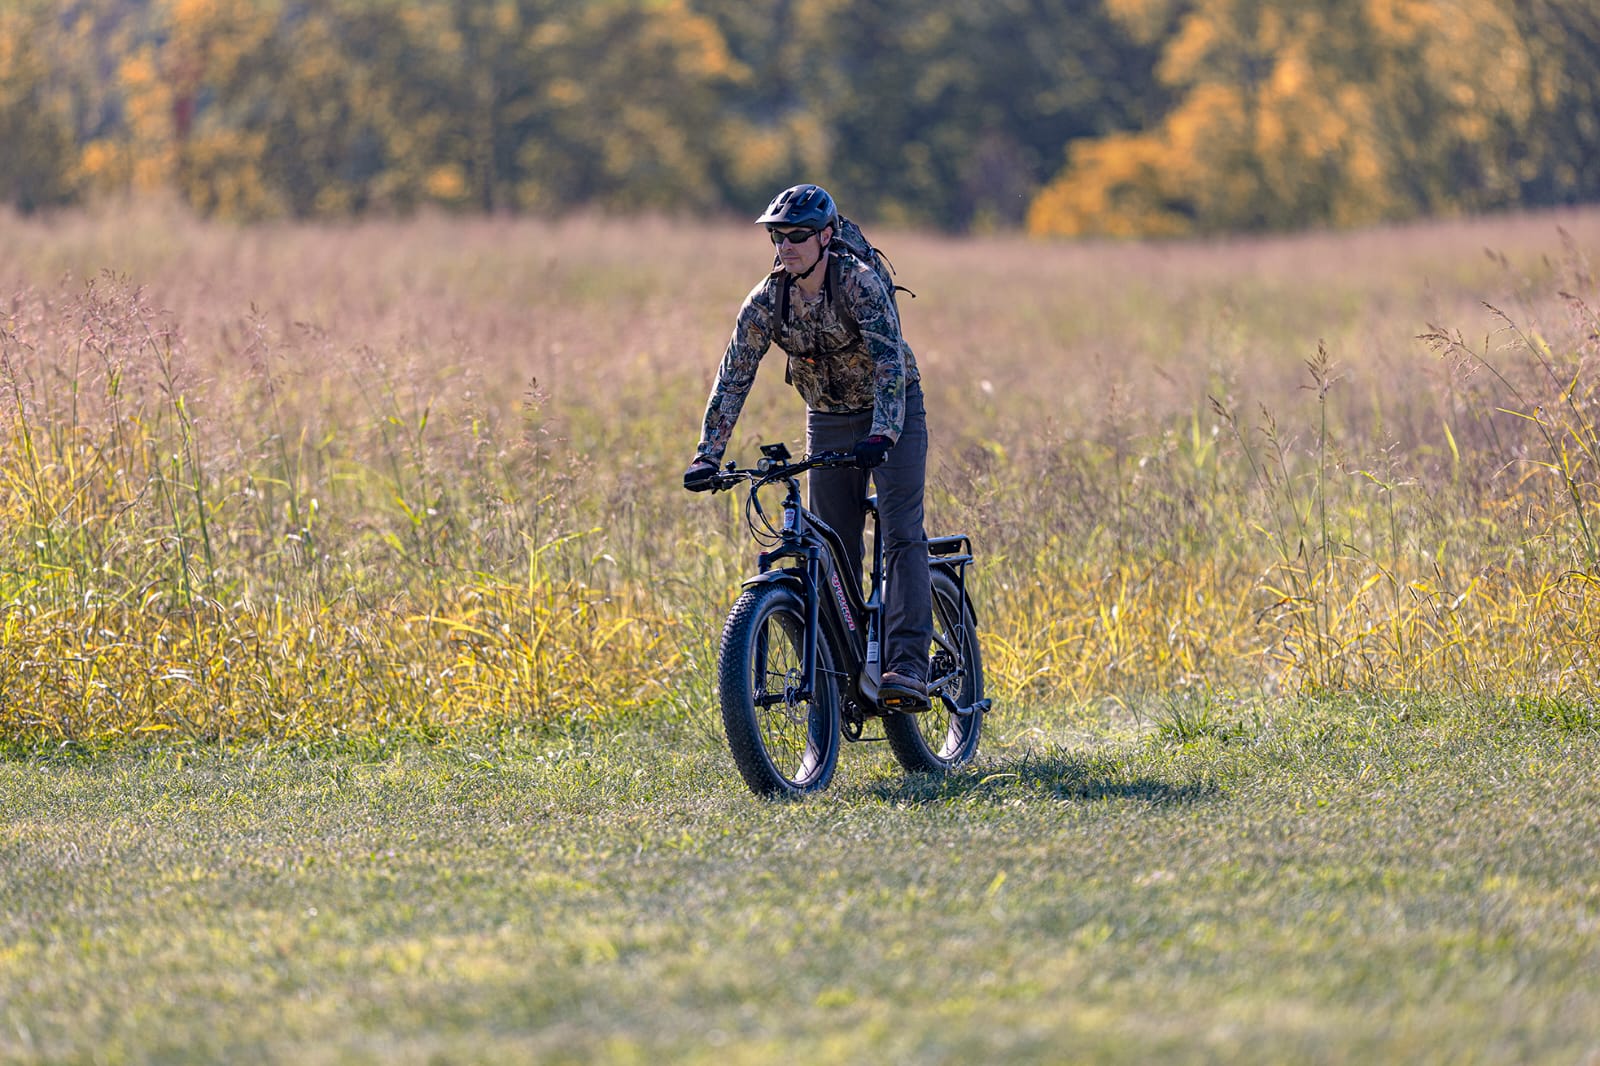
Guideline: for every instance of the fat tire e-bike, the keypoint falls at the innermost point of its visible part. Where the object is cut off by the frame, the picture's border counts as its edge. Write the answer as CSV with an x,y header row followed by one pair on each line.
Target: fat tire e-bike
x,y
799,665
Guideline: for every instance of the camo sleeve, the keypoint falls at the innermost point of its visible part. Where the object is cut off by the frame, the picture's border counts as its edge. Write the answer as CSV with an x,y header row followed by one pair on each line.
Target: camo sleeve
x,y
880,334
752,336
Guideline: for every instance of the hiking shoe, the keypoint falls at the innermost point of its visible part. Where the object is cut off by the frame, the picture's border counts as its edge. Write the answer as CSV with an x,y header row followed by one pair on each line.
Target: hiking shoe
x,y
900,692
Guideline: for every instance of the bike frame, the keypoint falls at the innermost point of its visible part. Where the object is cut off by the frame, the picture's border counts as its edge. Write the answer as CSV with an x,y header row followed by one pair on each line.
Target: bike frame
x,y
817,551
821,562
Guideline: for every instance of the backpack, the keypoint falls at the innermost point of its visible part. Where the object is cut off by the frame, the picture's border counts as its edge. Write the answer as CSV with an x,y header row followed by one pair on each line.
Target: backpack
x,y
855,242
848,236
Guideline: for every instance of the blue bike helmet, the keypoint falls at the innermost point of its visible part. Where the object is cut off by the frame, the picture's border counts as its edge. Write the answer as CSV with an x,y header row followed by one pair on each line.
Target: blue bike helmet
x,y
802,205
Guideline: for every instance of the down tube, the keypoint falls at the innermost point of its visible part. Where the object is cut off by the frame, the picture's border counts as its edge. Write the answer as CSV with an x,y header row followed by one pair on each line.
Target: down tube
x,y
813,595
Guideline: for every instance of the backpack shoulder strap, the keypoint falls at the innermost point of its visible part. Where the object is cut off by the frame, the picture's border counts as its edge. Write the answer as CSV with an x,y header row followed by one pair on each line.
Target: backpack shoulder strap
x,y
783,295
885,272
835,285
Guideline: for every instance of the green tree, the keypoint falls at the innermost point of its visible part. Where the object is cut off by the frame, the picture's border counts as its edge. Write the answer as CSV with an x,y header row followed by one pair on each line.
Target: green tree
x,y
1561,149
772,130
955,113
1171,116
37,162
630,105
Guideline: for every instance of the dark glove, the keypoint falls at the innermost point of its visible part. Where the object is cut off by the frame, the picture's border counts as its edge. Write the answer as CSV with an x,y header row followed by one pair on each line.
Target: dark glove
x,y
869,451
700,475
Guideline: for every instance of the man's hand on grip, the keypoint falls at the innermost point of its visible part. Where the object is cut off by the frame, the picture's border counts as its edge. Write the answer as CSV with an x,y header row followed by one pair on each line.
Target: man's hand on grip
x,y
869,451
701,475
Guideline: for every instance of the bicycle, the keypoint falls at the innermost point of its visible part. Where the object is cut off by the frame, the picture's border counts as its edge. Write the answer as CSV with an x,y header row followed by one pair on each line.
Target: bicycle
x,y
798,667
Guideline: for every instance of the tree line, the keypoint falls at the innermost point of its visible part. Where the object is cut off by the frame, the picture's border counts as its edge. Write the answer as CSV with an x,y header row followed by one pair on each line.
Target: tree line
x,y
1121,117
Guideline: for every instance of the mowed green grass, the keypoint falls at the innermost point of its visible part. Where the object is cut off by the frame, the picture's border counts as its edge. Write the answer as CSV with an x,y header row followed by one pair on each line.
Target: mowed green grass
x,y
1334,881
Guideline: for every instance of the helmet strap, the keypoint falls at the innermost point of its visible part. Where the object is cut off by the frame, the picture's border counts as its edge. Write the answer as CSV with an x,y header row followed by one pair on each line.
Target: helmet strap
x,y
807,272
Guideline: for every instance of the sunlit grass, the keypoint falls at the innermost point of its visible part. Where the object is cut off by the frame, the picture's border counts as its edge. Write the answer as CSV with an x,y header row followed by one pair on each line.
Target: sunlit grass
x,y
1336,880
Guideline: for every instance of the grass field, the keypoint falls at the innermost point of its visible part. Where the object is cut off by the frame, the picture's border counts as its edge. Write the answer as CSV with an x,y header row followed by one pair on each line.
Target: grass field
x,y
356,684
1342,881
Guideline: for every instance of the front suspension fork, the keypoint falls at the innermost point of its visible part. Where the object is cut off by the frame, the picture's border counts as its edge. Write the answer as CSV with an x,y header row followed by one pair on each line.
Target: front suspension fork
x,y
808,676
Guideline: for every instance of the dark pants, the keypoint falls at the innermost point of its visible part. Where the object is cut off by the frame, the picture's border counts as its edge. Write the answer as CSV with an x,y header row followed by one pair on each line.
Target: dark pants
x,y
836,497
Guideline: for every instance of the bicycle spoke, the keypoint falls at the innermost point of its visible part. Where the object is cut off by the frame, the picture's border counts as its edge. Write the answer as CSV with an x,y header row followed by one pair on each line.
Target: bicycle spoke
x,y
783,721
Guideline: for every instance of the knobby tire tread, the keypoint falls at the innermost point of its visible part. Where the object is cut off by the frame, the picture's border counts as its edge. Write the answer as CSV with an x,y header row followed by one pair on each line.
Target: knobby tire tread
x,y
904,731
740,717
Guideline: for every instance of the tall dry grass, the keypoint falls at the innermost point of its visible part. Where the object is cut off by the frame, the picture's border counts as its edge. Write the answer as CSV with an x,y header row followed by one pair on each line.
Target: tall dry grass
x,y
292,481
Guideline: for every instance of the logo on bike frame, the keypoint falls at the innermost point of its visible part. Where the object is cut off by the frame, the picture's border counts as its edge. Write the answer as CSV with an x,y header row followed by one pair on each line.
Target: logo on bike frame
x,y
844,605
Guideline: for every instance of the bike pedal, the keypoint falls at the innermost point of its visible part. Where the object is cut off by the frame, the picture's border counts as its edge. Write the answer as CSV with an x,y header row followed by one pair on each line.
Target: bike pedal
x,y
905,704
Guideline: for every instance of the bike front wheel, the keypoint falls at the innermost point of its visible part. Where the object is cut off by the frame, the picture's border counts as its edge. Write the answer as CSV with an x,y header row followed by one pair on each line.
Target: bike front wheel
x,y
941,738
784,742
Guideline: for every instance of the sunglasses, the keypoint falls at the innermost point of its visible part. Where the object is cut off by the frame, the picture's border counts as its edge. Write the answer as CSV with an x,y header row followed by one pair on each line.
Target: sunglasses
x,y
799,236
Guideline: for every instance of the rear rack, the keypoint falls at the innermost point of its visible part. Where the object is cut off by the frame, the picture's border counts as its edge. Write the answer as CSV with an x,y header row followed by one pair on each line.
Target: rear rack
x,y
954,550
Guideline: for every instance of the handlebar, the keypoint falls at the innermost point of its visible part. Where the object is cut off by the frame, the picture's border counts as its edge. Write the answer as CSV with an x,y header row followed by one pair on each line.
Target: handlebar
x,y
767,471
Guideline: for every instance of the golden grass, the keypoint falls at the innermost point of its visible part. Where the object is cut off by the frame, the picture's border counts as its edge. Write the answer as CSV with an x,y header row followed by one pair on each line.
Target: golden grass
x,y
291,481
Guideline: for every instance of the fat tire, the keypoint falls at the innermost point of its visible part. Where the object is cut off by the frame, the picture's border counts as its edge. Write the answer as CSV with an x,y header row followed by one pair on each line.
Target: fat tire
x,y
936,741
778,612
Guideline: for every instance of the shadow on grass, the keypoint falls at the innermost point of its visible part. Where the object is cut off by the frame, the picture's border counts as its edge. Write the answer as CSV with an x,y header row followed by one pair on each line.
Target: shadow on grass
x,y
1057,775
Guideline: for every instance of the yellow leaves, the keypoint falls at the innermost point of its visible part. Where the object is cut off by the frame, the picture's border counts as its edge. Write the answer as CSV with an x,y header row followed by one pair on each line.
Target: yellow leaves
x,y
222,175
700,45
1322,110
138,71
566,92
207,39
1188,55
1368,172
13,42
105,164
1113,187
447,183
1291,76
507,19
1400,22
1208,120
760,154
185,12
1144,19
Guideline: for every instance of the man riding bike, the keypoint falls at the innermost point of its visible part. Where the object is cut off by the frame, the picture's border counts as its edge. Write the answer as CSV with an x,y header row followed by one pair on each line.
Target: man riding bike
x,y
835,318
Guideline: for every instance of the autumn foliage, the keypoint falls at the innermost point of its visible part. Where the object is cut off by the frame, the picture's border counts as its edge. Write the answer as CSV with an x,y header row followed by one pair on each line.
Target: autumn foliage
x,y
1339,113
1116,117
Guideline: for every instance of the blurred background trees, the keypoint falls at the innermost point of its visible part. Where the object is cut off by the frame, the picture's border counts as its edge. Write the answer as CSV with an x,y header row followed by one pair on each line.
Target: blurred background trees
x,y
1341,112
1120,117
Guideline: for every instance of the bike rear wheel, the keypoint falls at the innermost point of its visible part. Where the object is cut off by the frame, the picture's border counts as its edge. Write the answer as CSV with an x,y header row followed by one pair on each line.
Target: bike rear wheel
x,y
782,744
939,740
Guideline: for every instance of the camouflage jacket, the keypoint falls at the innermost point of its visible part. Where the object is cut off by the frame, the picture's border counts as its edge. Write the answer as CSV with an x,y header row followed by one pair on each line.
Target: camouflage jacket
x,y
840,360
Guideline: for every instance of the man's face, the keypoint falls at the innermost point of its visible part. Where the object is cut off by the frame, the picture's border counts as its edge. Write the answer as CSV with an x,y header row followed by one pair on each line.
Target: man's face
x,y
797,246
